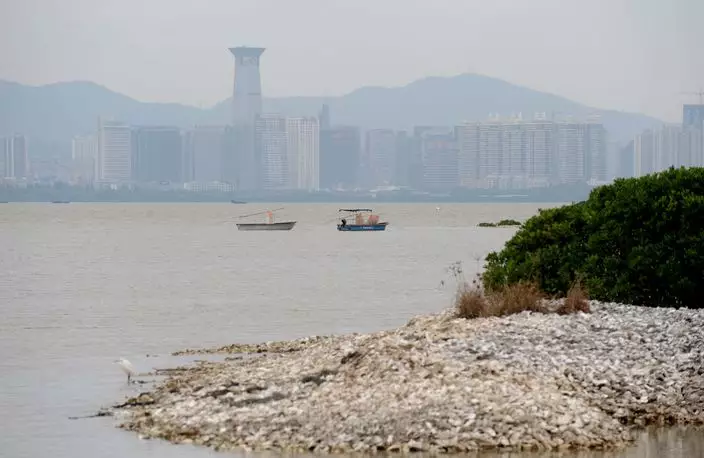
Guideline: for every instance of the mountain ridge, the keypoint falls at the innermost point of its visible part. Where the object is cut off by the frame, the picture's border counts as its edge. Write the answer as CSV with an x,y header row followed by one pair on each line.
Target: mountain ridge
x,y
52,114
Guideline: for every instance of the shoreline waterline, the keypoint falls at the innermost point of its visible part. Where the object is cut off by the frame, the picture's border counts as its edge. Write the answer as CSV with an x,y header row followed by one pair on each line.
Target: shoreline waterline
x,y
439,384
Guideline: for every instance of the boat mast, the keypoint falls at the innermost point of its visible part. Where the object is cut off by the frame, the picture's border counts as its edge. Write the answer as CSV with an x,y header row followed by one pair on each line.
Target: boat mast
x,y
260,213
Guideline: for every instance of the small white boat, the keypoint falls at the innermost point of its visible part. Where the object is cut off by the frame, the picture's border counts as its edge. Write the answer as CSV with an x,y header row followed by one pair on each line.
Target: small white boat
x,y
270,225
285,226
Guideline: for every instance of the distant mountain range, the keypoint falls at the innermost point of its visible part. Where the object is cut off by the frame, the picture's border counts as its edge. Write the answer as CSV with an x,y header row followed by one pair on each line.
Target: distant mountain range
x,y
51,115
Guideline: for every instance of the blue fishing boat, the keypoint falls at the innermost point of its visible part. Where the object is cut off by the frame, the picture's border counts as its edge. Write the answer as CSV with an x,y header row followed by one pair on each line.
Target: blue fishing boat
x,y
370,222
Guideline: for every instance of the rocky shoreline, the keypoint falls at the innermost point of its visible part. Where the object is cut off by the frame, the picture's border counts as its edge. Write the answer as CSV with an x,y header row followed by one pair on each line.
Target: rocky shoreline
x,y
443,385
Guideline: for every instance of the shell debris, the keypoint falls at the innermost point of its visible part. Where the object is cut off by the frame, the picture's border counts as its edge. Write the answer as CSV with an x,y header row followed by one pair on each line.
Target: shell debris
x,y
444,385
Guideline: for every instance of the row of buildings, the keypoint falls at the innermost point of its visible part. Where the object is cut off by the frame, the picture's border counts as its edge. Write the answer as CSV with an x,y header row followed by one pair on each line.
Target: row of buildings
x,y
118,154
505,154
309,154
14,158
655,150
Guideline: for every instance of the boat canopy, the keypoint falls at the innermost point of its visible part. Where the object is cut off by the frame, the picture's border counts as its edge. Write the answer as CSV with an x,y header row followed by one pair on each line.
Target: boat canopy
x,y
355,210
267,212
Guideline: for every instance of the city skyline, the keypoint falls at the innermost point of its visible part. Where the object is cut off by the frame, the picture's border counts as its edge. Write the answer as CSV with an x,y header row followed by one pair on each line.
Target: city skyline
x,y
258,150
638,57
497,153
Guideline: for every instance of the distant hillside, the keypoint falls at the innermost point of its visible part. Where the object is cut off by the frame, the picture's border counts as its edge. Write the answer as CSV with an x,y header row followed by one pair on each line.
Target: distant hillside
x,y
51,115
446,101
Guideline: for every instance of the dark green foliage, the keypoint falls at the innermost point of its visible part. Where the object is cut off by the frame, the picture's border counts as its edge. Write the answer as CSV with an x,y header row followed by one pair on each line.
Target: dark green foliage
x,y
638,240
646,239
545,250
502,223
508,222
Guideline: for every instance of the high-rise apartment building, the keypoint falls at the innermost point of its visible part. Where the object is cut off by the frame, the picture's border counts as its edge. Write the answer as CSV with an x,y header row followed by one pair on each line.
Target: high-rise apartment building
x,y
114,163
204,148
539,152
569,153
84,153
416,165
324,117
668,146
691,147
468,154
526,154
303,149
491,152
14,157
693,116
513,156
644,148
157,153
439,155
381,157
495,154
625,166
187,158
272,146
340,150
596,165
404,148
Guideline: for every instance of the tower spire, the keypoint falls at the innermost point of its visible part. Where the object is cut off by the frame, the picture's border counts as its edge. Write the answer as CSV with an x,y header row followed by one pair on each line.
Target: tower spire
x,y
247,90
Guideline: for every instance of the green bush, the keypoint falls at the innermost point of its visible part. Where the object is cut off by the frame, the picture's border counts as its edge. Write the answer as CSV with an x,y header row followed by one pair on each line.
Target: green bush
x,y
545,250
508,222
638,241
502,223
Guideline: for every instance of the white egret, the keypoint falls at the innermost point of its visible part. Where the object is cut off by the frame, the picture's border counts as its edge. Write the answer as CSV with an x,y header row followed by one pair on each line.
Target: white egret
x,y
127,368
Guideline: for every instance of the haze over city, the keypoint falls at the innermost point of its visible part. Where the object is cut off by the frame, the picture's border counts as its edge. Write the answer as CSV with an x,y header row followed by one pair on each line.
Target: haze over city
x,y
343,100
632,55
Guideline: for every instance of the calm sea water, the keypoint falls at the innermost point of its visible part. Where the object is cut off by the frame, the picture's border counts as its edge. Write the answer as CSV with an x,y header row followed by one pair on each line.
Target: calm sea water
x,y
84,284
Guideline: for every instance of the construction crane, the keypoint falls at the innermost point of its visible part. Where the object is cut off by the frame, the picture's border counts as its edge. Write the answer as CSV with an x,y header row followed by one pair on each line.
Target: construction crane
x,y
700,93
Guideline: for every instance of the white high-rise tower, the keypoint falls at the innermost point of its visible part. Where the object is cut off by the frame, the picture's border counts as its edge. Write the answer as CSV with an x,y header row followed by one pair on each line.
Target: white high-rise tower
x,y
303,150
246,108
114,162
247,91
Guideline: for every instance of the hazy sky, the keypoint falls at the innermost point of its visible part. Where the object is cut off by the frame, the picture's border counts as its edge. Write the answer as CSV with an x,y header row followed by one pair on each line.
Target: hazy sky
x,y
634,55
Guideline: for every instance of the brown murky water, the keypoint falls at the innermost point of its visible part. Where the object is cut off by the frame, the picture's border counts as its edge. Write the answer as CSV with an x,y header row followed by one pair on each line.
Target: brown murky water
x,y
84,284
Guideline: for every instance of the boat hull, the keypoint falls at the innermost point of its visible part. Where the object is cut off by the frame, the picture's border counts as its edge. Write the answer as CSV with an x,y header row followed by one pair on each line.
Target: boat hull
x,y
362,227
284,226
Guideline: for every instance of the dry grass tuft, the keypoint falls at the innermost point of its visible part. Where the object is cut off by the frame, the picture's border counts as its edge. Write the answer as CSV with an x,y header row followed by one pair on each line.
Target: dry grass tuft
x,y
472,302
516,298
575,301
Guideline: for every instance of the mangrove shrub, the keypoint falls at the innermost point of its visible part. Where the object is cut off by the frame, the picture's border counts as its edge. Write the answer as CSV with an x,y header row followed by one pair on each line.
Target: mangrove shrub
x,y
637,241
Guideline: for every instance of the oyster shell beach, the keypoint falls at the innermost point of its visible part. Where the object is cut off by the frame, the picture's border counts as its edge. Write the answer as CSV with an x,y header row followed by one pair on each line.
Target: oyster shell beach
x,y
442,384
